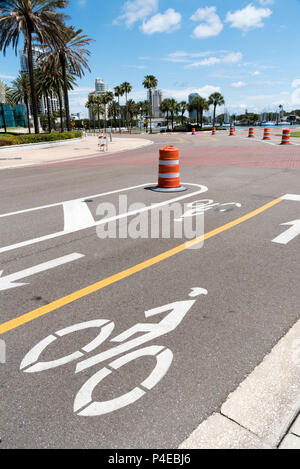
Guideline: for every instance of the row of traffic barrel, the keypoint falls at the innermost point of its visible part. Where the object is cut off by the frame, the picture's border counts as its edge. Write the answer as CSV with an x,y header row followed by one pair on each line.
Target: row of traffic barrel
x,y
286,134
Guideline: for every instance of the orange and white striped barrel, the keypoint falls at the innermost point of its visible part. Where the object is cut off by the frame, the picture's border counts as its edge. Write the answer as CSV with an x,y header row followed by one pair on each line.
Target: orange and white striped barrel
x,y
114,131
267,133
214,131
193,131
251,132
130,132
121,132
169,171
232,129
102,142
286,134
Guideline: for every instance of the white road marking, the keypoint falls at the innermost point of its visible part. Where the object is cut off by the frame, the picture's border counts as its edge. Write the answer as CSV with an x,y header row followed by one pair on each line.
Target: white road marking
x,y
290,234
7,282
294,197
77,225
83,403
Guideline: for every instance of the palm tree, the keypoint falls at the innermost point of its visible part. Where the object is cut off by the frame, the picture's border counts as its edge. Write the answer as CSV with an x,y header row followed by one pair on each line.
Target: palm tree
x,y
216,99
51,77
165,107
126,88
44,89
20,93
7,100
131,109
92,108
30,18
183,107
113,111
69,54
106,98
150,82
119,91
174,110
200,105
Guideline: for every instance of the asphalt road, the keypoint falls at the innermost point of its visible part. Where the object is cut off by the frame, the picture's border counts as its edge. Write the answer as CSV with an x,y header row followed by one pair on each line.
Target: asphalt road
x,y
252,295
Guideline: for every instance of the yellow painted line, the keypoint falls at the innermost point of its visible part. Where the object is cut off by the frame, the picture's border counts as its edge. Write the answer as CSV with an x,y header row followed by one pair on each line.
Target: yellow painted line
x,y
182,140
37,313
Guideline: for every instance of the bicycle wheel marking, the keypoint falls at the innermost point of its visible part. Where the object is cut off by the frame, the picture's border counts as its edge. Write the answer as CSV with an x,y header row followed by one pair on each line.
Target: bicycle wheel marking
x,y
83,404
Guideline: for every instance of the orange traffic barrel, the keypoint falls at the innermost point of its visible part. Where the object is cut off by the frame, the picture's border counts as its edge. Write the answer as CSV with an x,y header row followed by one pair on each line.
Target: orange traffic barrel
x,y
130,132
251,132
286,134
214,131
121,131
193,131
114,131
169,171
232,129
267,133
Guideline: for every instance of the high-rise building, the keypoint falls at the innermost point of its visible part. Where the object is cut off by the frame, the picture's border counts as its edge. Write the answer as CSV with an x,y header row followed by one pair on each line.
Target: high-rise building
x,y
43,103
100,85
155,97
193,114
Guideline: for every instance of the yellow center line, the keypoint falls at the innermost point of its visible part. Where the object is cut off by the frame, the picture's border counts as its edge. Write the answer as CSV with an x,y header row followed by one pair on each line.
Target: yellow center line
x,y
37,313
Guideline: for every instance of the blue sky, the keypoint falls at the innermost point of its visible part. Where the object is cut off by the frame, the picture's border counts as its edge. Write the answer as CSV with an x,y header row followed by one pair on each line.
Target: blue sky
x,y
247,50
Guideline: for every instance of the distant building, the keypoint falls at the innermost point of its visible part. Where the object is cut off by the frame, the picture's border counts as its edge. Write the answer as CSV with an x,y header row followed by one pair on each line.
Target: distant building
x,y
100,85
42,104
193,114
2,92
75,116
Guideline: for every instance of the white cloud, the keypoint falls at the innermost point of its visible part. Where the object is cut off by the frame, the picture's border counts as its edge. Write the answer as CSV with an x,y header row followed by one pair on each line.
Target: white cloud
x,y
265,2
248,18
238,84
296,83
136,10
205,91
82,3
166,22
211,24
231,58
7,77
186,57
255,74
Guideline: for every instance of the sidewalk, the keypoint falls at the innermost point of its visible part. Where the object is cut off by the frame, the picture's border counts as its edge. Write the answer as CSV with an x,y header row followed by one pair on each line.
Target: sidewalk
x,y
264,411
14,157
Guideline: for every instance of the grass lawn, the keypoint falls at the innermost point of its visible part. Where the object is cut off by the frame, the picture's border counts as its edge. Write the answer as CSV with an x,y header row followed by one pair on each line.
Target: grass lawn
x,y
19,139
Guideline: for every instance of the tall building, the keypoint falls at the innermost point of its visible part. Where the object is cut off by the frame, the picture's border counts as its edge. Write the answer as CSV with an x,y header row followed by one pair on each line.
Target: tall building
x,y
100,85
42,104
2,92
100,89
155,97
193,114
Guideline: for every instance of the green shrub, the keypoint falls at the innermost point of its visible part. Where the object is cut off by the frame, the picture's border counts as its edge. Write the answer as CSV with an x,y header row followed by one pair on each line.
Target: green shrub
x,y
20,139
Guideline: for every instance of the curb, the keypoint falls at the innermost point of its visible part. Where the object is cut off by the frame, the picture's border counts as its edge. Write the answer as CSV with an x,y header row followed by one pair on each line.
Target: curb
x,y
40,144
259,413
46,163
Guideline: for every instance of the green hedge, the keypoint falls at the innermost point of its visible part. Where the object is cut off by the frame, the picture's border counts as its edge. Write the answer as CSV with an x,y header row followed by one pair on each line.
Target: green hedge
x,y
13,139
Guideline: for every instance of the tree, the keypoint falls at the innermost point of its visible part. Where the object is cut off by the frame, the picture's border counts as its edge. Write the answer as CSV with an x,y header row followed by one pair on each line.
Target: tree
x,y
7,100
165,107
200,105
36,19
183,105
150,82
91,106
20,92
126,89
106,98
216,99
114,111
131,109
119,91
174,110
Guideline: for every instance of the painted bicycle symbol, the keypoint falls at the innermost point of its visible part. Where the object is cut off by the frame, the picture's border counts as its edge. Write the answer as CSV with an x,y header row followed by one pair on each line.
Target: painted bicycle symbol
x,y
83,403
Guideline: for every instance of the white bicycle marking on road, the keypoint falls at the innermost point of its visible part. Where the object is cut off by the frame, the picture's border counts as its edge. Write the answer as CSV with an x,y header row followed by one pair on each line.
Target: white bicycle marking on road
x,y
74,224
83,402
199,207
8,282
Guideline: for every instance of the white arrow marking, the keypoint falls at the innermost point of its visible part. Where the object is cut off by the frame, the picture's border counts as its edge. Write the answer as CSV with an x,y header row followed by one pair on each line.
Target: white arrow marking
x,y
290,234
7,282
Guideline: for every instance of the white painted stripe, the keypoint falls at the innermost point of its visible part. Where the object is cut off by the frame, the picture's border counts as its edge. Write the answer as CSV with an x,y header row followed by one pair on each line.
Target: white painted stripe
x,y
294,197
168,163
169,176
103,221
